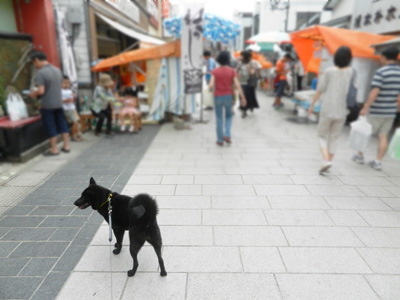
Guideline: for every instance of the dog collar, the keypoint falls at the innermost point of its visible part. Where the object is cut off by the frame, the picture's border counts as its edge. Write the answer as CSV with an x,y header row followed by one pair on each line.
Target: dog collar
x,y
108,199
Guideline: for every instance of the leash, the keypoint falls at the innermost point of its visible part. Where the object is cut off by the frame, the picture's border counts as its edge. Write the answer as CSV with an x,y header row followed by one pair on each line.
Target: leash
x,y
110,237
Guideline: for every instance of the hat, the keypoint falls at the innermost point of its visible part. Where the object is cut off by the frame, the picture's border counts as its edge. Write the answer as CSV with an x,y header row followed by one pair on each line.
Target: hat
x,y
105,80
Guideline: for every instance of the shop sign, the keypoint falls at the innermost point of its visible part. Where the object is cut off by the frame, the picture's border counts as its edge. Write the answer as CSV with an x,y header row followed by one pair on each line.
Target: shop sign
x,y
127,7
376,16
192,48
152,7
165,9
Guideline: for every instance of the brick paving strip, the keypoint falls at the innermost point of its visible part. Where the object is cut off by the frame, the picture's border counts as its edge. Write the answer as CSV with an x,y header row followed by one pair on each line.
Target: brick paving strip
x,y
44,236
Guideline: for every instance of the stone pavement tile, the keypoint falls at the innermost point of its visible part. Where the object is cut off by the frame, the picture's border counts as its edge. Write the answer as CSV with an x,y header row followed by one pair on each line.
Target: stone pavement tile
x,y
4,231
26,287
64,234
84,285
312,170
70,221
21,221
218,179
261,260
249,236
278,189
258,163
29,234
346,218
39,249
49,289
202,259
395,190
155,170
209,163
298,202
28,179
187,235
246,170
379,237
334,190
227,189
178,179
69,259
179,217
298,217
376,191
394,179
54,210
85,234
386,286
315,179
394,203
356,203
147,286
326,287
188,202
382,261
12,266
20,210
381,218
233,217
266,179
11,195
321,237
151,189
354,169
240,202
323,260
49,199
188,190
97,259
232,287
280,170
102,235
7,247
201,170
366,180
38,266
145,179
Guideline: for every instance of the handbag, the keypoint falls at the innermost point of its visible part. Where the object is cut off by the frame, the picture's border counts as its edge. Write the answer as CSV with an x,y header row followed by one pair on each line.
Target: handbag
x,y
351,99
252,81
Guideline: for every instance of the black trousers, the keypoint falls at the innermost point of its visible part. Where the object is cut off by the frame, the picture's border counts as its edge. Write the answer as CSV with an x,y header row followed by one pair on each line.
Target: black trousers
x,y
104,114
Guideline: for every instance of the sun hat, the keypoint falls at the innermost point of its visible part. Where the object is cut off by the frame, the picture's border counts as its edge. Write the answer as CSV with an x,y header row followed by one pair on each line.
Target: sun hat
x,y
105,80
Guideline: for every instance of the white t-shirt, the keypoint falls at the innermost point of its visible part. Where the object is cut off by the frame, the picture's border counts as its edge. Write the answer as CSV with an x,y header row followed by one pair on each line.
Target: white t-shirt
x,y
67,94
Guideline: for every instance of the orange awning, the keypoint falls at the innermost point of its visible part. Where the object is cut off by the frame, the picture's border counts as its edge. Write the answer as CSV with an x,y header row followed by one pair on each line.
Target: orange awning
x,y
167,50
265,64
309,41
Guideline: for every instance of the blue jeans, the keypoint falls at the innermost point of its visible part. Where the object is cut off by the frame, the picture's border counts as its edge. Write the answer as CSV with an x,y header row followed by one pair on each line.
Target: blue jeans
x,y
223,103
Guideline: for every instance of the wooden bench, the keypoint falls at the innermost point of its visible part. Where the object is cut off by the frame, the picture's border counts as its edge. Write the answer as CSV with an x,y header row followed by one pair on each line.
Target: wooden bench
x,y
86,121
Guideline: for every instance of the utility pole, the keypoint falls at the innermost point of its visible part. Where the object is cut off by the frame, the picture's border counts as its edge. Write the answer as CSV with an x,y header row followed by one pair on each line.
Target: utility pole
x,y
275,5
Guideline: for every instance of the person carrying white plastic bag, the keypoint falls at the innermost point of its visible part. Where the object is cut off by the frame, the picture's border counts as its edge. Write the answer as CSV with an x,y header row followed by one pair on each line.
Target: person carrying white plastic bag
x,y
382,104
360,134
16,107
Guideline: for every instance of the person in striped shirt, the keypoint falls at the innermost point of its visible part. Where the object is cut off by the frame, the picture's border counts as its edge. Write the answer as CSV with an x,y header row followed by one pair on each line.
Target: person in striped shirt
x,y
382,103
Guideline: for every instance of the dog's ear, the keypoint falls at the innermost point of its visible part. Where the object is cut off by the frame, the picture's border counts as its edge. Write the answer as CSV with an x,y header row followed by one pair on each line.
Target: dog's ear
x,y
138,211
91,182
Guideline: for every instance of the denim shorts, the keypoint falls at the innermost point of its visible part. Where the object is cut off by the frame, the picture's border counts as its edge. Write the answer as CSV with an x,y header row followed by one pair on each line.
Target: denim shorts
x,y
280,88
54,121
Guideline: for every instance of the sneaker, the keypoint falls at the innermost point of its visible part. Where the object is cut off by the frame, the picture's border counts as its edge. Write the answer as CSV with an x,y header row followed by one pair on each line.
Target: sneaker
x,y
131,128
123,128
325,166
358,159
244,114
220,144
227,139
377,165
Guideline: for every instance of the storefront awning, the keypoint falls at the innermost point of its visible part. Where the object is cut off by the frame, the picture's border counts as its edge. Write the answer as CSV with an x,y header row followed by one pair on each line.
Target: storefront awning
x,y
131,32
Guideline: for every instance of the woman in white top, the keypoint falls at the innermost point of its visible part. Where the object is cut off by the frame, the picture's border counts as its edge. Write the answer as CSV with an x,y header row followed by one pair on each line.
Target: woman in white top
x,y
333,87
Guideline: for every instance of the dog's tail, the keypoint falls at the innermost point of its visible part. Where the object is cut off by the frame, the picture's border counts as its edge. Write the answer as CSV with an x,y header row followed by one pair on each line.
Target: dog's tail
x,y
150,207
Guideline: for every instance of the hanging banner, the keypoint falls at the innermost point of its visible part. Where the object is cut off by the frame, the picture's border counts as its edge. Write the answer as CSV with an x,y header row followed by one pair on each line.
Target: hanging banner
x,y
192,48
67,53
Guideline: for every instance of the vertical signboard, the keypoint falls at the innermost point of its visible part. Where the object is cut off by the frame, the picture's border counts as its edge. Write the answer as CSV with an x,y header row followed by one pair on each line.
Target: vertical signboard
x,y
192,48
165,9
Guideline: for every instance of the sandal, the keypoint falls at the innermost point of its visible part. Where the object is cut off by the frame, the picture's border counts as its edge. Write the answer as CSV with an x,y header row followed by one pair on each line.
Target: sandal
x,y
65,150
49,153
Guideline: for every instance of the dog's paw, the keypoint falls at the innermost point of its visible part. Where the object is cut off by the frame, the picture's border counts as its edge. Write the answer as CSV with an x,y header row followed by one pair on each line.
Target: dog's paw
x,y
131,273
163,273
117,251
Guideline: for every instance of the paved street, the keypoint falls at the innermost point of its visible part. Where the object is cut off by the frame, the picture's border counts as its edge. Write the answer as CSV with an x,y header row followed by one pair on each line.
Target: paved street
x,y
253,220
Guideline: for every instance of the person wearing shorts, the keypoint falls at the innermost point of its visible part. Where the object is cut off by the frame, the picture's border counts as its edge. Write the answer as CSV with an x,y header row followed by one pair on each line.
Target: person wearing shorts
x,y
49,81
382,104
281,74
70,113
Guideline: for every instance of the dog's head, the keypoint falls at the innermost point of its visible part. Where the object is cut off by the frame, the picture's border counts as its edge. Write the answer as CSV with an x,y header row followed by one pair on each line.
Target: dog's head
x,y
94,195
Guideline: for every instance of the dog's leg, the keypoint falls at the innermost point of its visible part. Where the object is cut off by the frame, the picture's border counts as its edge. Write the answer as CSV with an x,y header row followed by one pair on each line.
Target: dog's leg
x,y
119,235
155,240
136,244
157,248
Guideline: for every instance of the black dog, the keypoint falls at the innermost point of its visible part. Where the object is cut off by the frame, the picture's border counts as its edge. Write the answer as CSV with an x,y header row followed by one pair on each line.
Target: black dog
x,y
138,215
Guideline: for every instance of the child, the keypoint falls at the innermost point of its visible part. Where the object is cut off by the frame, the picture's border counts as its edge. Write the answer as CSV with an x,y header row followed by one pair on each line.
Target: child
x,y
130,108
71,115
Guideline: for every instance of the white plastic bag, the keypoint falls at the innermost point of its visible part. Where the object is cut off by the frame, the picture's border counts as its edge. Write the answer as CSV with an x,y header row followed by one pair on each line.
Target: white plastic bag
x,y
394,146
16,107
208,98
360,134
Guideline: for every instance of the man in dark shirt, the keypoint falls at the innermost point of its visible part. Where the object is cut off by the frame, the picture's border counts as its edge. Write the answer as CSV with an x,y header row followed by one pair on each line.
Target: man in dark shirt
x,y
48,81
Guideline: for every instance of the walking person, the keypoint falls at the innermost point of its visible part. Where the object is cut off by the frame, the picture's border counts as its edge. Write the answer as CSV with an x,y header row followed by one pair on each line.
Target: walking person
x,y
103,99
333,87
222,78
281,84
49,84
382,104
248,74
210,65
